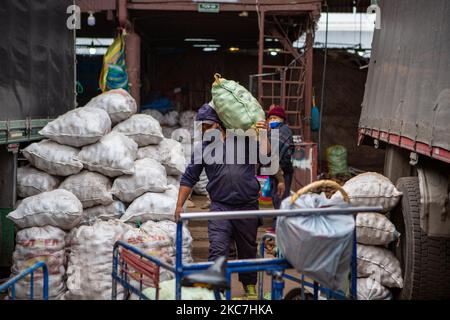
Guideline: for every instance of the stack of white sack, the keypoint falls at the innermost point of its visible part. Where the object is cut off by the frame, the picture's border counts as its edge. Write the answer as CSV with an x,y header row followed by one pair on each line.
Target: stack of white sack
x,y
378,268
87,173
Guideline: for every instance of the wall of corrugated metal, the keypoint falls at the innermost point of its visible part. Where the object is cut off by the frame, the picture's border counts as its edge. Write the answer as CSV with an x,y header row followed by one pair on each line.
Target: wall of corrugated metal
x,y
408,85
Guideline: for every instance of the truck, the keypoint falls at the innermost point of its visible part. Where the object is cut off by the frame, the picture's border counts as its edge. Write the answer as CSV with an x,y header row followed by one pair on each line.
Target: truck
x,y
37,83
406,111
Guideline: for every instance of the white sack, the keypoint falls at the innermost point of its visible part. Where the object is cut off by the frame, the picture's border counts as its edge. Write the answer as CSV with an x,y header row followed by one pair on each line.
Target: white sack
x,y
152,206
371,189
369,289
200,186
167,131
174,181
59,208
142,128
167,292
158,116
31,181
374,229
169,153
118,103
90,260
182,135
380,264
149,176
114,210
78,127
36,244
187,118
91,188
112,156
53,158
171,118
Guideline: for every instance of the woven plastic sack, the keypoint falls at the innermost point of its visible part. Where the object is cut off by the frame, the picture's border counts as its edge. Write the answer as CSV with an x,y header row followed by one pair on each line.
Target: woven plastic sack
x,y
171,118
167,131
158,116
187,118
149,176
152,206
369,289
114,210
200,186
59,208
169,153
31,181
235,106
317,245
53,158
375,229
379,264
371,189
142,128
182,135
174,181
112,156
91,188
337,160
90,260
118,103
37,244
78,127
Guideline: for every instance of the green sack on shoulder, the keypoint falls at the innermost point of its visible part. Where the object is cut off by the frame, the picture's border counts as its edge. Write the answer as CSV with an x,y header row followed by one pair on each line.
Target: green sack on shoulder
x,y
235,106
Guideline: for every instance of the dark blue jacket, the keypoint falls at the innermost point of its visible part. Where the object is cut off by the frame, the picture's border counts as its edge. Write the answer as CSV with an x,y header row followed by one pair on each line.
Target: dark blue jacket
x,y
229,184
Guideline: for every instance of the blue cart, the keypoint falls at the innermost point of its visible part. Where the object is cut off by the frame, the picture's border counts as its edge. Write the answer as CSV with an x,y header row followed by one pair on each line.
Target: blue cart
x,y
274,267
11,283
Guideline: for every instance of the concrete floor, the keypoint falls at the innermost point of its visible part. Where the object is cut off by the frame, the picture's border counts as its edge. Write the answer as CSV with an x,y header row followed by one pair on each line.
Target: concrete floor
x,y
199,232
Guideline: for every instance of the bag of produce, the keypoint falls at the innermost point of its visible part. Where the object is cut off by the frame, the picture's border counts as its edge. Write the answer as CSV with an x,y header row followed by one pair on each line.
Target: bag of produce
x,y
59,208
118,103
90,260
53,158
235,106
112,156
78,127
37,244
158,116
374,229
174,181
142,128
149,176
379,264
91,188
167,292
169,153
371,189
369,289
115,210
337,160
187,118
31,181
152,206
171,118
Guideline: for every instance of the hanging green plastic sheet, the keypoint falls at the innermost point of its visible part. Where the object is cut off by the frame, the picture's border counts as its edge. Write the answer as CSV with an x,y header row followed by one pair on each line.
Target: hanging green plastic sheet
x,y
235,105
337,160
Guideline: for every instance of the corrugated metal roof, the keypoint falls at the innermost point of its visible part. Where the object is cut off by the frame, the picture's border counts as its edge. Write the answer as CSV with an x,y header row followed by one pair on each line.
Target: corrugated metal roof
x,y
408,85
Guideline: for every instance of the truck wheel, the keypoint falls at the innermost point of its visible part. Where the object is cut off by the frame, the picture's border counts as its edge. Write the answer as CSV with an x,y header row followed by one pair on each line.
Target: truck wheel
x,y
425,261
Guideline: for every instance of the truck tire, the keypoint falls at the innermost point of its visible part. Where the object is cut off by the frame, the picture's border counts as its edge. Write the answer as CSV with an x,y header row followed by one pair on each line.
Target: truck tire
x,y
425,261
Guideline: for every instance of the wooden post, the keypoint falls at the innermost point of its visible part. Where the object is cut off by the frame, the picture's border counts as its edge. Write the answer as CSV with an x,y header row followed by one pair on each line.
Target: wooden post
x,y
133,63
308,85
261,55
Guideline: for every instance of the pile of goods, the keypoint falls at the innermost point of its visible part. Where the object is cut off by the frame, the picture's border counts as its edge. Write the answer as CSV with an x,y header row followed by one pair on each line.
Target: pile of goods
x,y
378,268
102,171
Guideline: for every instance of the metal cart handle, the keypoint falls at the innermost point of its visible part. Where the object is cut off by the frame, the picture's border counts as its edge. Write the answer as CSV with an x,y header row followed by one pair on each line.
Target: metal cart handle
x,y
319,184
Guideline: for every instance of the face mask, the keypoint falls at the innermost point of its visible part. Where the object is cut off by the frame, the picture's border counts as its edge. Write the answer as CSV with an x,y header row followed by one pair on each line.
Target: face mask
x,y
274,124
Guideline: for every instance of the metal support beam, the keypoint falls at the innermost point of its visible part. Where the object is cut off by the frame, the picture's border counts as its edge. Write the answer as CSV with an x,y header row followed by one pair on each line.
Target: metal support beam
x,y
261,54
308,85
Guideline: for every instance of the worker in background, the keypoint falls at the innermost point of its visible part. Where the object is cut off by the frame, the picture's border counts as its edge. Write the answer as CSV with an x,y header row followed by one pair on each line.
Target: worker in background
x,y
277,120
231,187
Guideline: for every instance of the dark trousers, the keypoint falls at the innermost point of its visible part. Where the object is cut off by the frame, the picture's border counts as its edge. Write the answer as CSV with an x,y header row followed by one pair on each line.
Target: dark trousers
x,y
276,200
242,231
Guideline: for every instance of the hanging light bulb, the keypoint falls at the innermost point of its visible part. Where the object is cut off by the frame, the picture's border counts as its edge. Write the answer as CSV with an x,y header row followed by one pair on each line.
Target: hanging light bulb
x,y
91,19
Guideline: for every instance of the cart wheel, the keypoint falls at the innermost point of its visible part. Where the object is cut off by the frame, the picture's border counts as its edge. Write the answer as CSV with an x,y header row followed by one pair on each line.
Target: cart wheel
x,y
296,294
